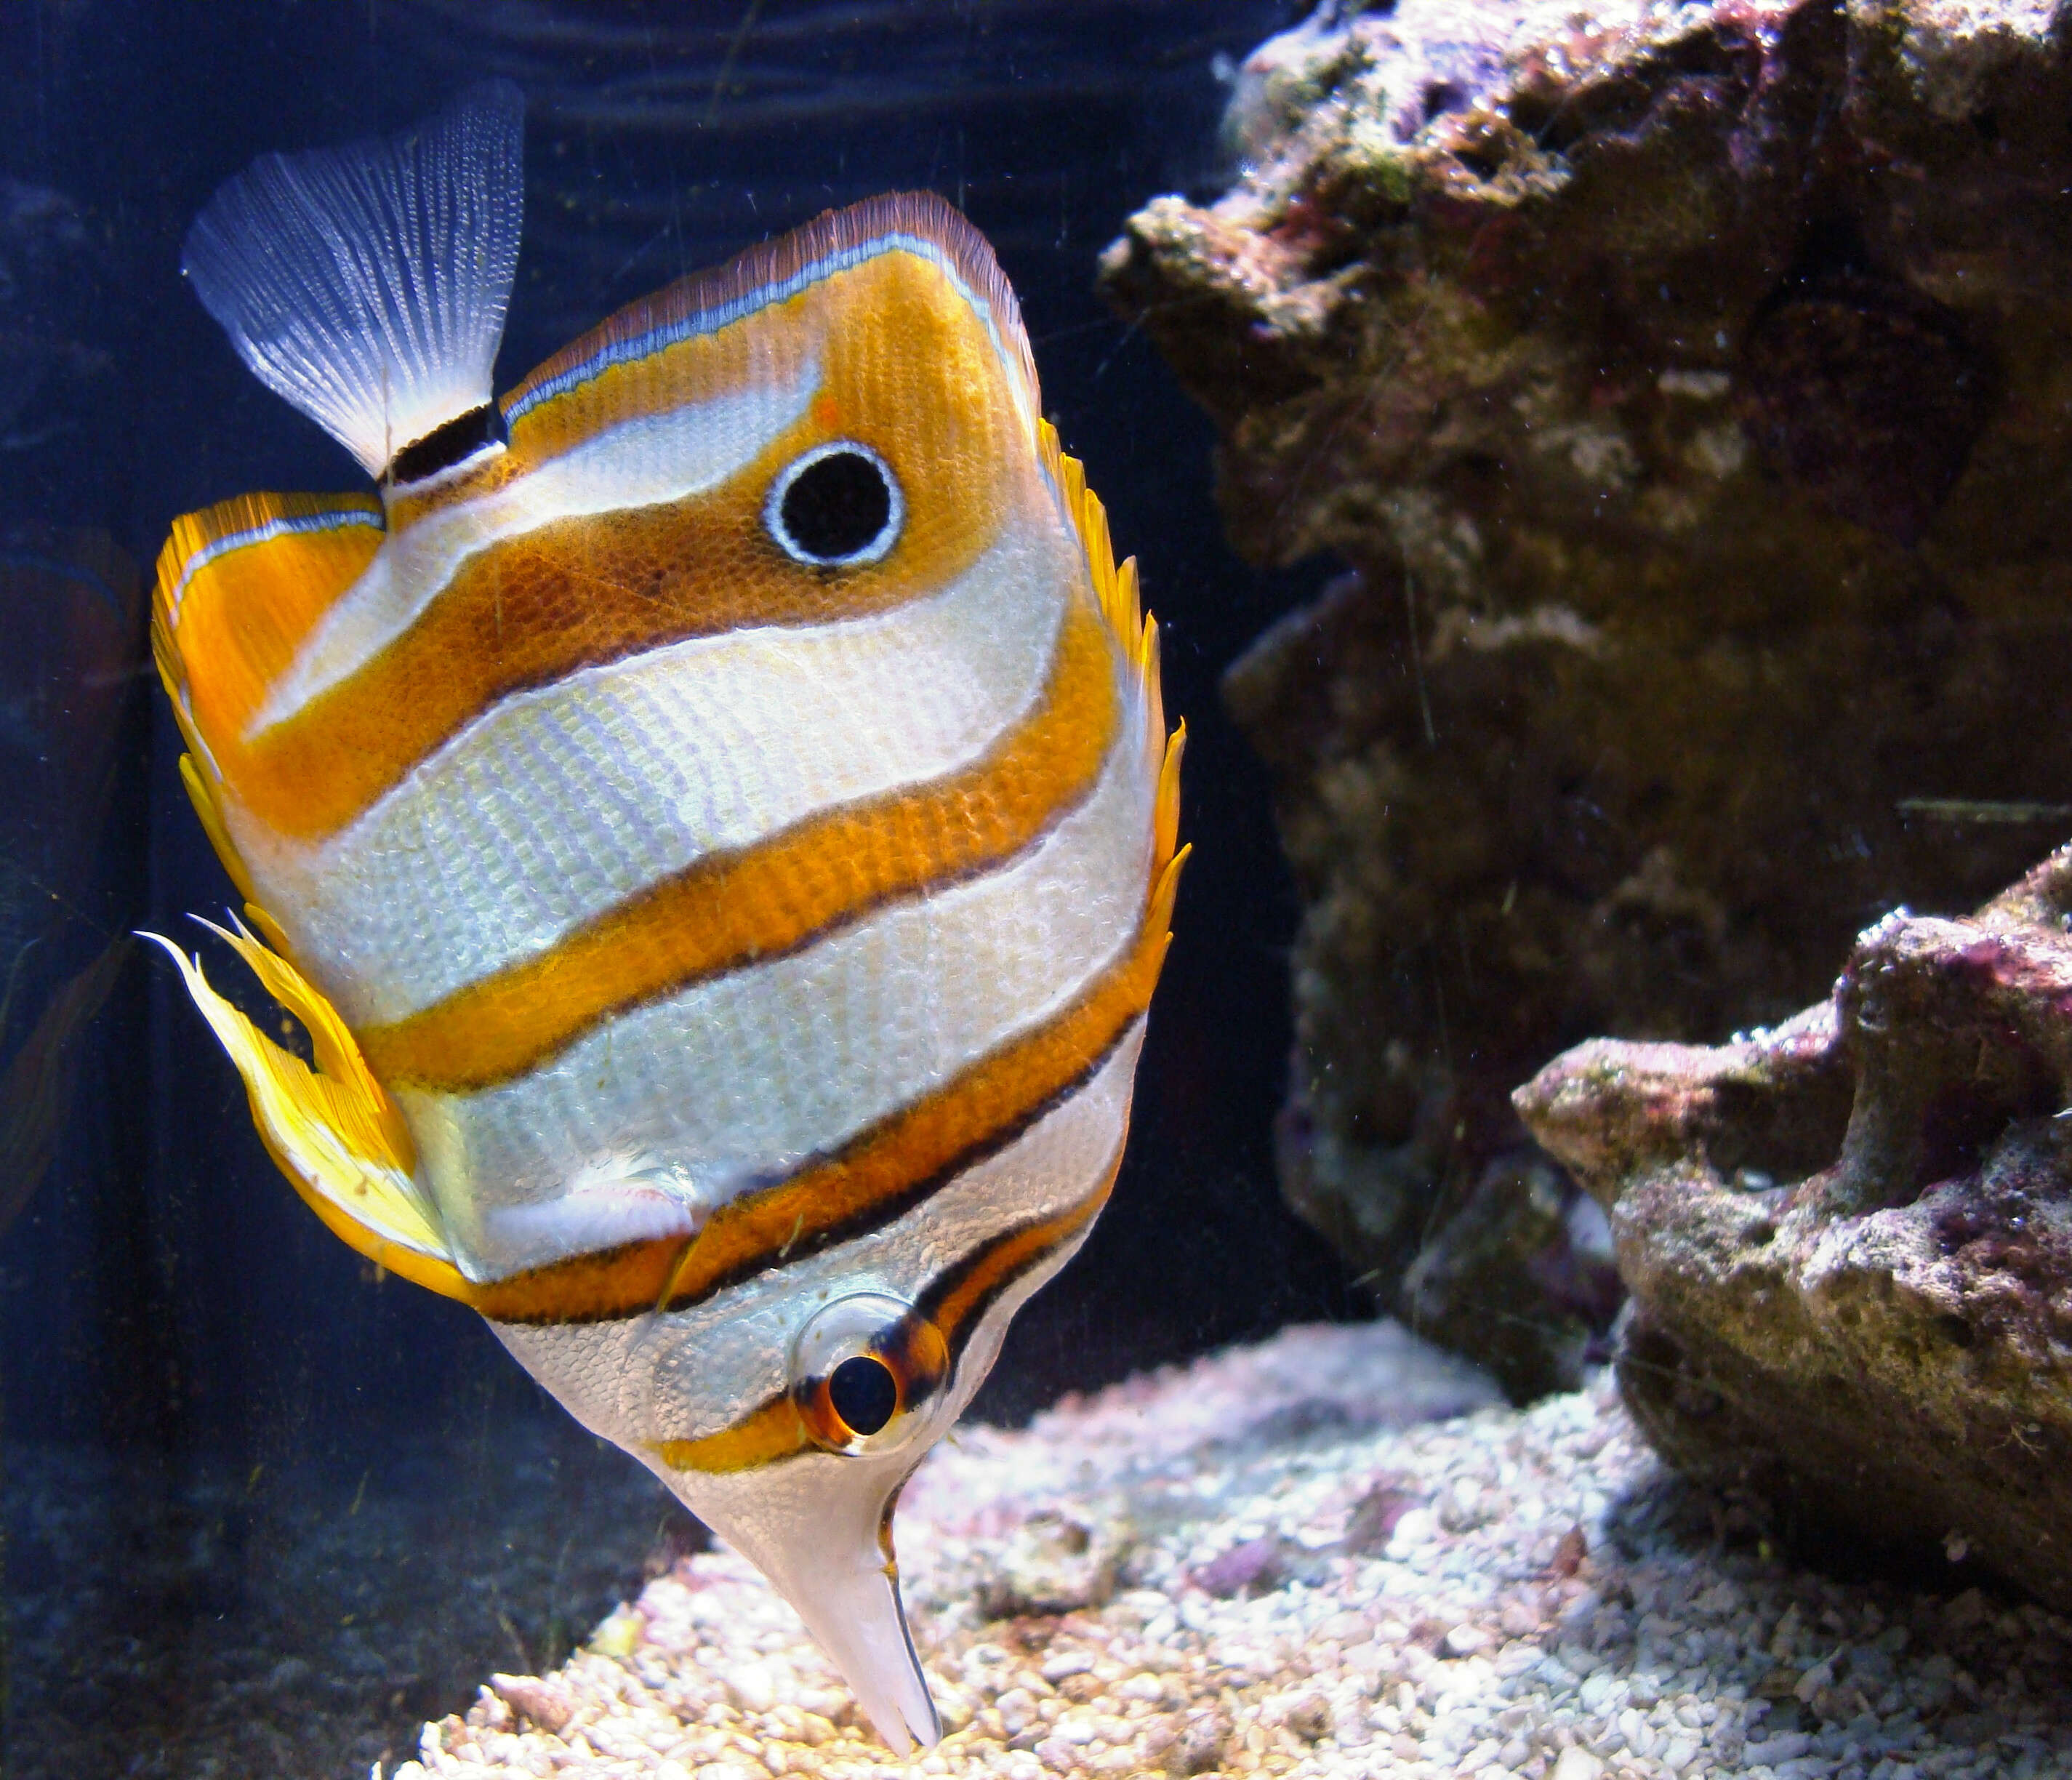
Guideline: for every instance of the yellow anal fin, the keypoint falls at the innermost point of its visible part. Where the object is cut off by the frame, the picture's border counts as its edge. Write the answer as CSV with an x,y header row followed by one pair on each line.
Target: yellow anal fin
x,y
335,1134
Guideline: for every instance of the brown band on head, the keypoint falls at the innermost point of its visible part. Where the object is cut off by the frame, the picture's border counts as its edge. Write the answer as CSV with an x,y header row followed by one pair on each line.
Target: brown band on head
x,y
782,1427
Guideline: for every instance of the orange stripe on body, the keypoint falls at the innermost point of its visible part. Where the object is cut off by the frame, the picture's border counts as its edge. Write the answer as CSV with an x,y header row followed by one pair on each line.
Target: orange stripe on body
x,y
233,613
969,1292
779,1428
239,616
872,1178
698,304
905,368
733,908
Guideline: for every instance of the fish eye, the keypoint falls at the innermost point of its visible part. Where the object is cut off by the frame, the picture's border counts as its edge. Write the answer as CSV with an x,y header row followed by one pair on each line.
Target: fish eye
x,y
865,1371
835,507
864,1393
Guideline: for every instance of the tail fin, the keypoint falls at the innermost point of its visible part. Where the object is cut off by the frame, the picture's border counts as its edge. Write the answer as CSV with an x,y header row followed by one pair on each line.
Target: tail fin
x,y
367,284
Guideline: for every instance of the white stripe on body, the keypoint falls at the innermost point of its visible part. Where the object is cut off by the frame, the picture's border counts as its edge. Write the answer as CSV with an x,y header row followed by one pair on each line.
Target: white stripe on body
x,y
639,463
690,1373
559,804
739,1080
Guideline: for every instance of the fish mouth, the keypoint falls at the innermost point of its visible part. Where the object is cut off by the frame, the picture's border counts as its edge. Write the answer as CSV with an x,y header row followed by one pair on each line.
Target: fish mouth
x,y
819,1526
854,1612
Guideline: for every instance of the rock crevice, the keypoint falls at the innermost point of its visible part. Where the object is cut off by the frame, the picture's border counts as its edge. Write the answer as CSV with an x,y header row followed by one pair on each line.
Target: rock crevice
x,y
1849,1243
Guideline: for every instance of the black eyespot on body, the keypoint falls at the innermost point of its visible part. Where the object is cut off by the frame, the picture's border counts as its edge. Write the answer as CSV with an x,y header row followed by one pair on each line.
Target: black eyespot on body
x,y
864,1393
444,447
837,506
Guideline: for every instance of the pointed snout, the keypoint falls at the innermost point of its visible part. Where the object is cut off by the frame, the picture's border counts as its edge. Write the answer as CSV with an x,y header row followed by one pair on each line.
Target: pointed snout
x,y
819,1526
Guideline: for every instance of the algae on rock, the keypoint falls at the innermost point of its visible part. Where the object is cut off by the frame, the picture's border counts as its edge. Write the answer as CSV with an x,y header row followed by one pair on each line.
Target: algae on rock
x,y
1687,389
1849,1243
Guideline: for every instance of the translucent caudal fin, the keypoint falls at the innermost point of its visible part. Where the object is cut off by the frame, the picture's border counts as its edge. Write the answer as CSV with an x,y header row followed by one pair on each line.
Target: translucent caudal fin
x,y
367,284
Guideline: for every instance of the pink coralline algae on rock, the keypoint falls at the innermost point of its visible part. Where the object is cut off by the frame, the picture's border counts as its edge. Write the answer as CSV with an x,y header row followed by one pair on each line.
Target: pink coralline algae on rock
x,y
1687,389
1849,1243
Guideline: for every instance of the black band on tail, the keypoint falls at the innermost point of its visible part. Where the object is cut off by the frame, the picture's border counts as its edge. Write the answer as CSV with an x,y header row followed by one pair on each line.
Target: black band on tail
x,y
444,447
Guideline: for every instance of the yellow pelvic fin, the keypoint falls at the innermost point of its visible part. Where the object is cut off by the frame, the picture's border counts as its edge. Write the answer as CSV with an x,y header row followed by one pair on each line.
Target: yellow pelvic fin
x,y
335,1134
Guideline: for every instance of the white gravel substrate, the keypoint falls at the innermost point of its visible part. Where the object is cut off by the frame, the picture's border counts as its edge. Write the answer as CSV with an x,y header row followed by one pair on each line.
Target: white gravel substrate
x,y
1263,1564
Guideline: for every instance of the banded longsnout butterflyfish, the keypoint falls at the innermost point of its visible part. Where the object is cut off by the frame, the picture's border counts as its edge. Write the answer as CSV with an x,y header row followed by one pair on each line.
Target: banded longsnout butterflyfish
x,y
711,809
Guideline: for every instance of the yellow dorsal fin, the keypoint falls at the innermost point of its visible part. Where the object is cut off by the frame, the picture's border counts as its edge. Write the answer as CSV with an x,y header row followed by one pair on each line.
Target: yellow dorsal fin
x,y
1115,588
1114,584
335,1134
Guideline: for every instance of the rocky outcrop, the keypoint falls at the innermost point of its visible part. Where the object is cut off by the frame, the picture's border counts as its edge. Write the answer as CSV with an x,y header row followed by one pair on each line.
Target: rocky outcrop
x,y
1687,389
1849,1243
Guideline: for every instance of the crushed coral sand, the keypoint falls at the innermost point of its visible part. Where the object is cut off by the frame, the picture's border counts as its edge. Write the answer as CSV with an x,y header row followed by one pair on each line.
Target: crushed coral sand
x,y
1332,1554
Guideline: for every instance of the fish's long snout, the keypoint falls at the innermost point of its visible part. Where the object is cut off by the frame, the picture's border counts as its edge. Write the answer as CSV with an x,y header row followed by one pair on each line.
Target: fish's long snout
x,y
819,1526
849,1601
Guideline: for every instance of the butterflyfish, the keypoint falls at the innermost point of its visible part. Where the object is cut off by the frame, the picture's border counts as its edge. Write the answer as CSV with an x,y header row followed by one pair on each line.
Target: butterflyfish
x,y
710,807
